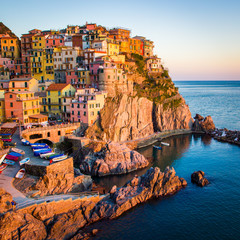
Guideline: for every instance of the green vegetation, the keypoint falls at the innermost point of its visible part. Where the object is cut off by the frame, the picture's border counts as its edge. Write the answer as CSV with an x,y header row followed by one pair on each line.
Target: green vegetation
x,y
140,62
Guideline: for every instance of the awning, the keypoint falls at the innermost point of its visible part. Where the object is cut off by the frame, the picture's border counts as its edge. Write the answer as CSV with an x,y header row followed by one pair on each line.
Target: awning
x,y
38,116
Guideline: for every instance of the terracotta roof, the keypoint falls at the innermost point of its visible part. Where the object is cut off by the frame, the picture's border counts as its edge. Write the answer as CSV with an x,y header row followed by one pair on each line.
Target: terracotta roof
x,y
57,86
38,116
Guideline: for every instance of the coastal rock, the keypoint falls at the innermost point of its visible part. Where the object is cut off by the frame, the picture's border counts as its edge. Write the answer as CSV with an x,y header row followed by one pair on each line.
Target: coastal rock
x,y
199,179
5,200
21,226
207,124
65,220
113,158
198,117
126,118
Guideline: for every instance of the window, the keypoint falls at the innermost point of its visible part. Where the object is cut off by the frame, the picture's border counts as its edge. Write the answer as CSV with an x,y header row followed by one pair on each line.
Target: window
x,y
84,114
72,112
78,106
48,93
48,134
78,113
59,133
10,95
11,104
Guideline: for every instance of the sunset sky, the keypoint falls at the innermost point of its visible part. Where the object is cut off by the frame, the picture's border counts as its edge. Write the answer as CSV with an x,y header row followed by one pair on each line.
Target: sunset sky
x,y
197,40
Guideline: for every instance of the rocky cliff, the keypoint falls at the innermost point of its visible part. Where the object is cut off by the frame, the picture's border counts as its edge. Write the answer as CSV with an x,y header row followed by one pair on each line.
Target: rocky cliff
x,y
113,158
126,117
46,221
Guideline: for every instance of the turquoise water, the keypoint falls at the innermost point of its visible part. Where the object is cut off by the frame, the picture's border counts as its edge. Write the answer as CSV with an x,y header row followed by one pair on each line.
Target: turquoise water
x,y
212,212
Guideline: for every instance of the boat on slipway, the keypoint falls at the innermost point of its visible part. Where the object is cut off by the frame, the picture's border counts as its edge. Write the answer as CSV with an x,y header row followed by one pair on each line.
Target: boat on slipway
x,y
2,158
165,144
9,162
157,147
57,159
20,173
25,160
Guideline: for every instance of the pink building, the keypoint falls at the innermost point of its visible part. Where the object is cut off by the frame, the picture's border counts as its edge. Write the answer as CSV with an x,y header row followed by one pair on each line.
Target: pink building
x,y
4,84
87,105
7,62
94,71
53,41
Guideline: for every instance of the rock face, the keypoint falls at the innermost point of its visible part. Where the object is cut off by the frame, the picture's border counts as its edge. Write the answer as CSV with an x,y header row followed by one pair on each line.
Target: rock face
x,y
113,158
41,222
125,118
199,179
56,178
5,201
202,124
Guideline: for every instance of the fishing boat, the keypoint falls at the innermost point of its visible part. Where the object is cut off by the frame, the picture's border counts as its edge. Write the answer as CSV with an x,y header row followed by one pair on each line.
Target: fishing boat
x,y
39,147
41,152
157,147
165,144
55,156
17,150
6,139
43,155
57,159
38,144
3,166
25,160
20,173
8,162
2,158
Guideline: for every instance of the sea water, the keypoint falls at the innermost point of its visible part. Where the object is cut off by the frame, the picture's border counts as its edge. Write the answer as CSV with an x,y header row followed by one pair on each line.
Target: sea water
x,y
211,212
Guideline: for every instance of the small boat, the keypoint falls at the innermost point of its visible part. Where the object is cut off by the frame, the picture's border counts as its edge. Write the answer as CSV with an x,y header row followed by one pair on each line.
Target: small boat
x,y
38,144
10,157
165,144
6,139
43,155
3,166
17,150
157,147
20,173
25,160
25,142
57,159
55,156
2,158
9,144
39,147
41,152
8,162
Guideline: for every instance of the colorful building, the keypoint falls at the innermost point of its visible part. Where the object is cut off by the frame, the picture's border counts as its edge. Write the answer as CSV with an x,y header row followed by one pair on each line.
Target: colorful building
x,y
2,106
10,47
22,106
112,47
78,77
57,93
154,65
87,105
135,46
119,33
23,84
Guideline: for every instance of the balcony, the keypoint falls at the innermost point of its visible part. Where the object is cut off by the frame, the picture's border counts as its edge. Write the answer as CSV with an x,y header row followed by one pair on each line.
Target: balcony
x,y
27,98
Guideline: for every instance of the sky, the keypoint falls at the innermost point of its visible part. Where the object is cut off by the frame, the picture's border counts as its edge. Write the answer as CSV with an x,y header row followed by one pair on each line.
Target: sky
x,y
197,40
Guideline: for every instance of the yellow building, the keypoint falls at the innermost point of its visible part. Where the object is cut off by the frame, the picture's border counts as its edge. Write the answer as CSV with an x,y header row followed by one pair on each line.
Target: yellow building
x,y
112,47
2,106
124,46
10,47
57,94
23,84
41,59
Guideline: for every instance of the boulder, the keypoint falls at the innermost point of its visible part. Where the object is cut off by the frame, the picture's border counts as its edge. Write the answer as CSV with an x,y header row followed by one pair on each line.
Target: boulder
x,y
5,200
198,117
113,158
199,179
207,124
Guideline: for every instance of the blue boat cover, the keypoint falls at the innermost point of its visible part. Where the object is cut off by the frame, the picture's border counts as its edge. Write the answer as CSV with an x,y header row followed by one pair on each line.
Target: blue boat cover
x,y
15,154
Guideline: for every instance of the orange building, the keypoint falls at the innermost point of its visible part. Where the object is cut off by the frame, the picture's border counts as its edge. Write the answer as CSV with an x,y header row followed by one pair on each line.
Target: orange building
x,y
23,84
135,46
119,33
10,47
23,107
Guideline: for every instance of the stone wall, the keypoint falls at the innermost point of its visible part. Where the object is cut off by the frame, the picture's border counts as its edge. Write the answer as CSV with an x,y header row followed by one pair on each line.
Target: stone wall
x,y
58,167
